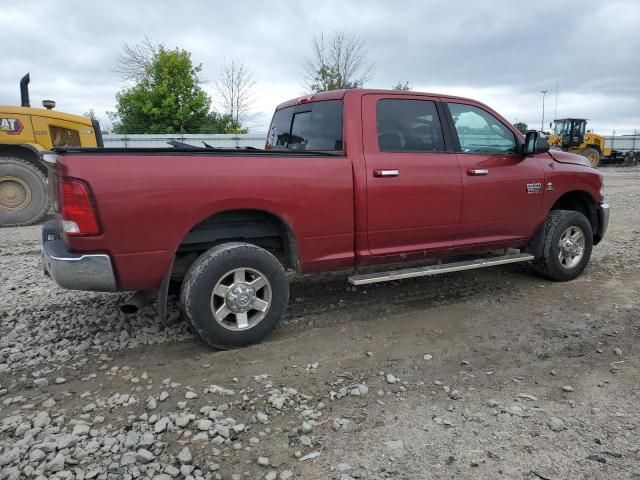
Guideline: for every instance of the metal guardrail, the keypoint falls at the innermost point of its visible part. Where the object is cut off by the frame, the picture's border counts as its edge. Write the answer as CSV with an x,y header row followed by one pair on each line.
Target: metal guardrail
x,y
160,140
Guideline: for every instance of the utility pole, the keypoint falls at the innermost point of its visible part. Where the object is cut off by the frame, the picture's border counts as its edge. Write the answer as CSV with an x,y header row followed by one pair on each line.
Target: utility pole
x,y
543,92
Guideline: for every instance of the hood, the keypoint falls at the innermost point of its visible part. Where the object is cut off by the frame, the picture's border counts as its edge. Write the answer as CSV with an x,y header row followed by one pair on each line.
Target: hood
x,y
566,157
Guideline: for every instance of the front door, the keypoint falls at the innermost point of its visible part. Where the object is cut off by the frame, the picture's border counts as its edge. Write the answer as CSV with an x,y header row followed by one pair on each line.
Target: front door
x,y
502,189
414,186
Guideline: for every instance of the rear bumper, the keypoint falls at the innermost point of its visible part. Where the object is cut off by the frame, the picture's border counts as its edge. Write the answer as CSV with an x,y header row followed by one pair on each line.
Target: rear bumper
x,y
75,271
603,222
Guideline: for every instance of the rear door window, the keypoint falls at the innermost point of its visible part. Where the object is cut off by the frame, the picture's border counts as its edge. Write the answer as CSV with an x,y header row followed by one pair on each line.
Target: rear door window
x,y
315,126
408,126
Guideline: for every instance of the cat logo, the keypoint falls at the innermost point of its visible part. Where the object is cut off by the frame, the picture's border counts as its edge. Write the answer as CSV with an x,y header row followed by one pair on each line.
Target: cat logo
x,y
11,126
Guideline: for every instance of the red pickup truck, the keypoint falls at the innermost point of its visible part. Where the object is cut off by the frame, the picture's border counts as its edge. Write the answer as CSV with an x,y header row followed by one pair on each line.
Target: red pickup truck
x,y
348,180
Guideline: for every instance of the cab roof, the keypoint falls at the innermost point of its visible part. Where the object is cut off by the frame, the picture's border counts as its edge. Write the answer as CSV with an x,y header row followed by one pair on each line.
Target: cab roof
x,y
340,94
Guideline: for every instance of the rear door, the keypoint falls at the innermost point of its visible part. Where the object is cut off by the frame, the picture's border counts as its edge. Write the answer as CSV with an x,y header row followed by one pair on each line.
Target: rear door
x,y
414,186
502,189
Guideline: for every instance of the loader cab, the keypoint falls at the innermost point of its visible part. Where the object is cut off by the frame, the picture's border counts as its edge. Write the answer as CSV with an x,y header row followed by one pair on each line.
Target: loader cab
x,y
571,131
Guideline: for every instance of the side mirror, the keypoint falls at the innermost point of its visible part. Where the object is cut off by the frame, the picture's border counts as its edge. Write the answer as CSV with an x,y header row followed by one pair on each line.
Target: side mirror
x,y
535,143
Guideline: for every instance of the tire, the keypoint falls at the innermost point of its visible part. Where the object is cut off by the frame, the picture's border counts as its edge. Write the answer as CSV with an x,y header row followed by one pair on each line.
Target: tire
x,y
24,197
592,155
214,270
549,265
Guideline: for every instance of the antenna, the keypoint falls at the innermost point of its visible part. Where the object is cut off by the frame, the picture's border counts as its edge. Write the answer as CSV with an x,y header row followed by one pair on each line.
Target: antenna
x,y
555,112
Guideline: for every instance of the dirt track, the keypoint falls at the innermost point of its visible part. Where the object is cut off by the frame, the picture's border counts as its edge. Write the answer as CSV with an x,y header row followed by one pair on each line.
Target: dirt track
x,y
503,344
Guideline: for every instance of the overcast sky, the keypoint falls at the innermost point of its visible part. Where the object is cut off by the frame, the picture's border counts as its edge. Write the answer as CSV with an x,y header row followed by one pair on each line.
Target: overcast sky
x,y
499,52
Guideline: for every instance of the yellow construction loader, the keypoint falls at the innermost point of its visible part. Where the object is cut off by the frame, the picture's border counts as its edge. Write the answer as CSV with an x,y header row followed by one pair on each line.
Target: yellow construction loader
x,y
570,135
24,133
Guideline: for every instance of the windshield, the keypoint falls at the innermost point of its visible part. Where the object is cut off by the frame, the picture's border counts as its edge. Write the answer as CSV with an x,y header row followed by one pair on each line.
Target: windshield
x,y
307,127
563,127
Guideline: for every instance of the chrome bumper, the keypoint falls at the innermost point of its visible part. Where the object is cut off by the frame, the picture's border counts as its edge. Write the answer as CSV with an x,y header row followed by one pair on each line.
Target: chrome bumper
x,y
603,222
75,271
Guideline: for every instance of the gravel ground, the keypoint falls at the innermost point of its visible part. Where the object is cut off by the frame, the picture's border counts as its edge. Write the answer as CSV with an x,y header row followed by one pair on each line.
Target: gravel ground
x,y
485,374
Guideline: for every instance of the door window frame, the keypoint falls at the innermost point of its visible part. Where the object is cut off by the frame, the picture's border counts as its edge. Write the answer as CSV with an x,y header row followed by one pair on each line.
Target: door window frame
x,y
368,129
454,133
449,146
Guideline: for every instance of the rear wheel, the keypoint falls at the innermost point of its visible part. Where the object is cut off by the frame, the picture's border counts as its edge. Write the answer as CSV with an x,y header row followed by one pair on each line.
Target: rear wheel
x,y
567,246
234,295
23,193
592,155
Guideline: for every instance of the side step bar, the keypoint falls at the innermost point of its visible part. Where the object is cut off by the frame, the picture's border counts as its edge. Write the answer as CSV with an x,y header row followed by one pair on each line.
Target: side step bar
x,y
367,278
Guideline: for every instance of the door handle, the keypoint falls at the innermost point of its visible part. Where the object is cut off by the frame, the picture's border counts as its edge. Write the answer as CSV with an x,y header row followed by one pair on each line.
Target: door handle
x,y
476,172
386,173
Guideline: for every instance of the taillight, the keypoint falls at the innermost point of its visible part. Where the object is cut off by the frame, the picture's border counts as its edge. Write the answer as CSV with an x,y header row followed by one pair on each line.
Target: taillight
x,y
76,208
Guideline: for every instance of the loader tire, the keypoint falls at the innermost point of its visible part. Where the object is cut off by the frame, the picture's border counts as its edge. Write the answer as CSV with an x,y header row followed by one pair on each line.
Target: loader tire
x,y
592,155
24,197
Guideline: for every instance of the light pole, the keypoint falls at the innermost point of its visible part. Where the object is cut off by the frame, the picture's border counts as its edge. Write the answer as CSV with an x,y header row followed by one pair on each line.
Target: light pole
x,y
543,92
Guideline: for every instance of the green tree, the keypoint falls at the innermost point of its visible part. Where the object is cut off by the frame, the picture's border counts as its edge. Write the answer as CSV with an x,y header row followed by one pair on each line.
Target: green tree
x,y
217,123
521,126
402,86
166,98
329,78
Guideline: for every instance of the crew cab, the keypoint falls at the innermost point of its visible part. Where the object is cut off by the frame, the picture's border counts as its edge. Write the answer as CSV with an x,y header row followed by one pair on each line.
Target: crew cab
x,y
348,180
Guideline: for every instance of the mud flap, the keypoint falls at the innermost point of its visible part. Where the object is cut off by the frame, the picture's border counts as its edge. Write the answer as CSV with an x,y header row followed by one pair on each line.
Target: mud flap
x,y
536,244
163,294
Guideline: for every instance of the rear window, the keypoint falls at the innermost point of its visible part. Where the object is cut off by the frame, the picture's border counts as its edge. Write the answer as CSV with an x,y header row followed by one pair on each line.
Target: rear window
x,y
307,127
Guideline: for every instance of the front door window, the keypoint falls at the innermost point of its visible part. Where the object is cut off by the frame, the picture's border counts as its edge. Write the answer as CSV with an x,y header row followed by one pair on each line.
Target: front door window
x,y
480,132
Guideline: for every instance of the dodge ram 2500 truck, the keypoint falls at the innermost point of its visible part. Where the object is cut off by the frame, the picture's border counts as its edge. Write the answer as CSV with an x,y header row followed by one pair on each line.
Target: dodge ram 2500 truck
x,y
348,179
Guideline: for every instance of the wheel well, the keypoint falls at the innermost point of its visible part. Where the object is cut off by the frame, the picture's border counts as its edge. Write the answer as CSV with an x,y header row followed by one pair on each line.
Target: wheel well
x,y
25,153
257,227
582,202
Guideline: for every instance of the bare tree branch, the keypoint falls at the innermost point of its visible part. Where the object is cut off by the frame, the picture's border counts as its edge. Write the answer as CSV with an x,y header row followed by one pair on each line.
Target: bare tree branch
x,y
134,59
235,85
337,62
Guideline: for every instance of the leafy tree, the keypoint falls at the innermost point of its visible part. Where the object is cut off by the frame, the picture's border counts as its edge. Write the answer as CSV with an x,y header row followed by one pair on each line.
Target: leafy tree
x,y
339,62
521,126
166,95
401,86
329,78
168,98
217,123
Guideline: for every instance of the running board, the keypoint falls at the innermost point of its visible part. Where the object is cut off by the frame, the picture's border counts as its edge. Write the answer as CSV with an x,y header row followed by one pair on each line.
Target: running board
x,y
367,278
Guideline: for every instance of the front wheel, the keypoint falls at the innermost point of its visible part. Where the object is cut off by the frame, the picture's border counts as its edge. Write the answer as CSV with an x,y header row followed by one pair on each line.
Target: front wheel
x,y
567,246
234,295
592,155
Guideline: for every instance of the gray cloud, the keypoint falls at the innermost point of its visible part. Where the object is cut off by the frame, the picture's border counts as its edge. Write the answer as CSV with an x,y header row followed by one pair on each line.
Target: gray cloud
x,y
501,52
